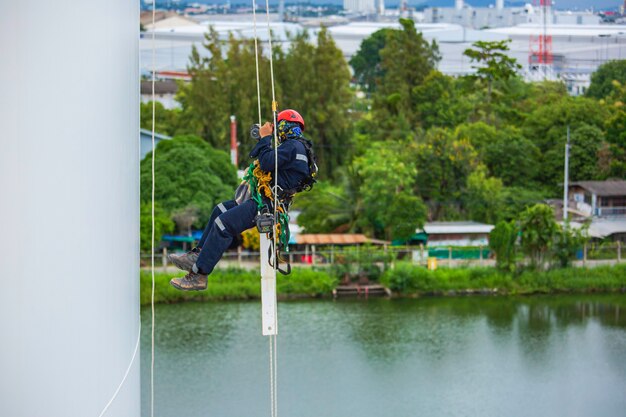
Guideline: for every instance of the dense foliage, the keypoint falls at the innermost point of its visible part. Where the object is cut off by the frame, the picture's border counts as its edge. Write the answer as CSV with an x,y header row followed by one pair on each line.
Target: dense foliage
x,y
537,235
162,224
602,81
312,77
414,144
406,279
190,174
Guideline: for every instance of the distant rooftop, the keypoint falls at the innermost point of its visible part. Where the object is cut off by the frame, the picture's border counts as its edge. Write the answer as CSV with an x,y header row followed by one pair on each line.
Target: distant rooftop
x,y
336,239
603,188
562,30
434,228
173,22
160,87
603,228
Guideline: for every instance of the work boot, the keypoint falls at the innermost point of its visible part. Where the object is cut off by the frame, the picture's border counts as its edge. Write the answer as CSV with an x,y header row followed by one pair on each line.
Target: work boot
x,y
184,261
190,282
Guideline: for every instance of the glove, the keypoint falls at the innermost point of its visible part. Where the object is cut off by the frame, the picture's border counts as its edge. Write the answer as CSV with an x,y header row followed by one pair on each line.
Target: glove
x,y
266,129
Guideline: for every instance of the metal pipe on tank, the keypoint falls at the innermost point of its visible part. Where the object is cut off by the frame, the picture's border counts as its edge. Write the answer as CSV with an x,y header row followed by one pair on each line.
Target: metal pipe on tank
x,y
458,4
69,177
499,4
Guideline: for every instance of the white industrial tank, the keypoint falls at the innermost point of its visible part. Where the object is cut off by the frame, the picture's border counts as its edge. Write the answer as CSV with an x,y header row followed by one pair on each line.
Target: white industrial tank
x,y
69,207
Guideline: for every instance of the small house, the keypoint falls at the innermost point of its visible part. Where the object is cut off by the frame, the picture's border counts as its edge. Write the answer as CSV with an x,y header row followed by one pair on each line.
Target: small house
x,y
597,198
164,92
463,233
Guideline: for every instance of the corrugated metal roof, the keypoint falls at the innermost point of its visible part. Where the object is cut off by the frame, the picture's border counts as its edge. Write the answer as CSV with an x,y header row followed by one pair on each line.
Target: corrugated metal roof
x,y
604,188
335,239
434,228
160,87
601,228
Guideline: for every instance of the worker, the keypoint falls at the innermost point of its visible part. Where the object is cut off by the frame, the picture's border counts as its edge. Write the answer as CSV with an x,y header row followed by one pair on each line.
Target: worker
x,y
230,218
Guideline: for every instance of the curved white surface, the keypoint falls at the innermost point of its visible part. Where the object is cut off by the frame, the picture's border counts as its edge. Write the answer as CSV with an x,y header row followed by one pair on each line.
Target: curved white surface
x,y
69,230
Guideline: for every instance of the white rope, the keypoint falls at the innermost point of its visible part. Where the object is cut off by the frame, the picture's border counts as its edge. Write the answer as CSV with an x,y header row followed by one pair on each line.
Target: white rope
x,y
272,385
130,365
272,338
273,353
152,214
256,59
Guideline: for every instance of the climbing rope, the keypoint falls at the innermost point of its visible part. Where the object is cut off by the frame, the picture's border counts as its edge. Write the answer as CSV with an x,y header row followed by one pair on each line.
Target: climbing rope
x,y
257,178
152,214
256,61
130,365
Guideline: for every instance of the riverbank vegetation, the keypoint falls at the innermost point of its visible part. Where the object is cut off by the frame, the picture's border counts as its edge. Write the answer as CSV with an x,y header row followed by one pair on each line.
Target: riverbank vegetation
x,y
237,284
404,279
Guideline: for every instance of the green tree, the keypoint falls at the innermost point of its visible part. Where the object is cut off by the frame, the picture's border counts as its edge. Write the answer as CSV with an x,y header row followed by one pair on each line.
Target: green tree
x,y
494,63
512,158
366,63
389,206
538,230
166,121
443,165
162,225
518,199
480,135
188,172
586,143
547,125
241,94
568,241
440,102
613,155
315,80
406,60
329,208
502,240
602,80
484,197
204,98
223,84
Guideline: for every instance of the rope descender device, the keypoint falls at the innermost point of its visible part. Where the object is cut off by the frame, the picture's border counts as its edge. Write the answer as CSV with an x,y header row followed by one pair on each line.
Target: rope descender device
x,y
264,221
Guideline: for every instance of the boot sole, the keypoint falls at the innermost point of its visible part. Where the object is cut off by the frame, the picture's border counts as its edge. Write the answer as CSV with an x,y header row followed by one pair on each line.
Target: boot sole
x,y
178,287
178,264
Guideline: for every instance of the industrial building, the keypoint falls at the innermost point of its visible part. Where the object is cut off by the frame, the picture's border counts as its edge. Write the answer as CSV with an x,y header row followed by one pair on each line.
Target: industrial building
x,y
499,16
477,18
567,52
360,6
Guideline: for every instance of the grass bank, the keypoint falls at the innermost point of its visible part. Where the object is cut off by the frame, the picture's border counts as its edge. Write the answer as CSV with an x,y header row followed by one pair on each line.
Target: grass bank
x,y
404,280
408,280
237,284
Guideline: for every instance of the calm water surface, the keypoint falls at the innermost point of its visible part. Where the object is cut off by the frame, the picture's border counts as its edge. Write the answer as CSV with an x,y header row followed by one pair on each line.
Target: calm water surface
x,y
500,357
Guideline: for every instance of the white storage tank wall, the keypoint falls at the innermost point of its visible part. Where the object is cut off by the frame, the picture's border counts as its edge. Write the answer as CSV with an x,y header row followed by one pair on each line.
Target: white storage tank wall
x,y
69,241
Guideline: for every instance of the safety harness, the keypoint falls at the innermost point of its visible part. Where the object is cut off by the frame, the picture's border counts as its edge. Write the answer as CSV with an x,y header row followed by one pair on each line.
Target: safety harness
x,y
260,185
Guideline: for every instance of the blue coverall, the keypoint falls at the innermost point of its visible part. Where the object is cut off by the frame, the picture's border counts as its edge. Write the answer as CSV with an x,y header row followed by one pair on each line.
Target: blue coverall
x,y
229,219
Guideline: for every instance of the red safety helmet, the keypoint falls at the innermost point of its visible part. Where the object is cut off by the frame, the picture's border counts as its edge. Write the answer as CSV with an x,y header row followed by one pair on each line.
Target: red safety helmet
x,y
291,116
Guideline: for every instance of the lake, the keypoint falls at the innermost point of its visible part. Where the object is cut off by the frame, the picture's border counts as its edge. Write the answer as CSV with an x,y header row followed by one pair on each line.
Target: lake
x,y
475,356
